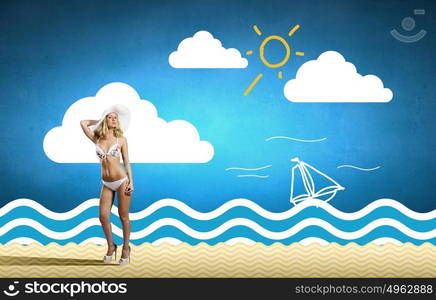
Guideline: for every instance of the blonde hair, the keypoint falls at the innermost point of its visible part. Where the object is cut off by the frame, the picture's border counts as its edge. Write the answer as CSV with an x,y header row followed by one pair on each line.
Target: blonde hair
x,y
102,130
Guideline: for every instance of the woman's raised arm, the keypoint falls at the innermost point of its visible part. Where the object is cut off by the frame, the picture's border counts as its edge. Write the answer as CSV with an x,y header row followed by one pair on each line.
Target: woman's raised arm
x,y
88,132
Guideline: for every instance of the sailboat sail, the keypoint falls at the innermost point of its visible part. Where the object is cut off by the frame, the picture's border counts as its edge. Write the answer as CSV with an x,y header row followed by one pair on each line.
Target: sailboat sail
x,y
316,184
298,185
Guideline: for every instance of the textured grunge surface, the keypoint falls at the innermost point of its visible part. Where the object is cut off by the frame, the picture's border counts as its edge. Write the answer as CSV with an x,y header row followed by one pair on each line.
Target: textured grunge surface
x,y
221,260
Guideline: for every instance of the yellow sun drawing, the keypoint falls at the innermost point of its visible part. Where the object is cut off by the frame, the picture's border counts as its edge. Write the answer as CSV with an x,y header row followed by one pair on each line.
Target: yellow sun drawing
x,y
262,54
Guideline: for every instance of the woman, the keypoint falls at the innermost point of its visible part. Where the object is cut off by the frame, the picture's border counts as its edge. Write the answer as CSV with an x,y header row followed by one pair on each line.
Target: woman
x,y
107,135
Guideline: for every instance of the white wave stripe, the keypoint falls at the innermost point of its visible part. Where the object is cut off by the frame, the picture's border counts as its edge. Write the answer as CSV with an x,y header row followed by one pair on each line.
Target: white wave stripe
x,y
168,240
231,242
385,240
48,213
225,207
295,139
312,240
47,232
249,242
23,241
361,169
279,216
257,176
28,241
245,169
223,228
239,240
94,240
378,241
284,234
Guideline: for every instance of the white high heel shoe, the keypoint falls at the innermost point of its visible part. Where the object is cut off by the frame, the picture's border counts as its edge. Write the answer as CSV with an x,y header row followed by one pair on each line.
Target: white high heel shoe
x,y
107,259
125,261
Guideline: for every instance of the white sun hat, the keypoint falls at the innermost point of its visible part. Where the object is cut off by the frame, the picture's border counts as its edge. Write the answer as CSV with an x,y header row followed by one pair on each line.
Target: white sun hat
x,y
123,116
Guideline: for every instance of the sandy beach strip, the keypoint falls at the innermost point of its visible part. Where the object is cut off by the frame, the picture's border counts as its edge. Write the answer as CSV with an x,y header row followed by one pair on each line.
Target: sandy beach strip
x,y
221,261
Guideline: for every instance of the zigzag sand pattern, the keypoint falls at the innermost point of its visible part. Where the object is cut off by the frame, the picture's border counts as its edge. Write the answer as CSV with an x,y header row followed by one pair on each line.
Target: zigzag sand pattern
x,y
221,260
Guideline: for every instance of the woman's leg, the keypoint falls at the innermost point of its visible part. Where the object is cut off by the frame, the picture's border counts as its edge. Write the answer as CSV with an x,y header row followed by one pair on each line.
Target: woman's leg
x,y
106,202
123,211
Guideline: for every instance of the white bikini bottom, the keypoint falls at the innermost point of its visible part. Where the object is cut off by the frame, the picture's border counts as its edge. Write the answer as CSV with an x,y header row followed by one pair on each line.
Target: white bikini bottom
x,y
114,185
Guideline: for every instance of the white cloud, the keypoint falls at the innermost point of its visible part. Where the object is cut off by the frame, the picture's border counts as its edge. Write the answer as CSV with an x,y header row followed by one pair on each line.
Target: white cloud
x,y
332,79
150,138
204,51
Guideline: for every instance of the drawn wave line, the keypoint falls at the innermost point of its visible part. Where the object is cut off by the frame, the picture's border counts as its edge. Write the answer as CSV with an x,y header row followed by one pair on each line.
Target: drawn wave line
x,y
295,139
246,169
223,228
187,210
361,169
258,176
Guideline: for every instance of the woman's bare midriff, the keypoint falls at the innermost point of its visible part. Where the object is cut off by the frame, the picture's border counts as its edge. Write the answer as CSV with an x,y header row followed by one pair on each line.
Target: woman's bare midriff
x,y
111,169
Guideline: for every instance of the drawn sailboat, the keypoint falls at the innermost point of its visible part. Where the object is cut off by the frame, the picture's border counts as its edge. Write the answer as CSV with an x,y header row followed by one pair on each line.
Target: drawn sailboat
x,y
303,185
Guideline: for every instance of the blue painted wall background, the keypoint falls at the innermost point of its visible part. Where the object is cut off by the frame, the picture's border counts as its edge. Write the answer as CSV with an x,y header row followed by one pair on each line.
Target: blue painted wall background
x,y
53,53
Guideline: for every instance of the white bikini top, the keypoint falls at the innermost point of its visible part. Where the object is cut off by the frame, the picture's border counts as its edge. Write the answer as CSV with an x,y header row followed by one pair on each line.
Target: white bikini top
x,y
113,151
